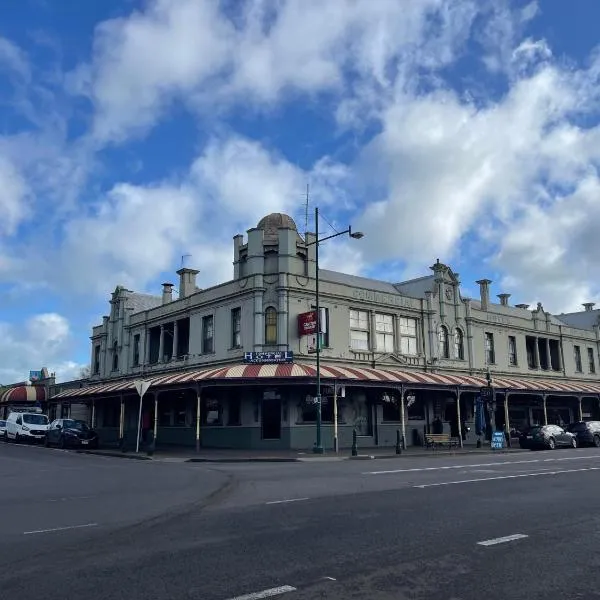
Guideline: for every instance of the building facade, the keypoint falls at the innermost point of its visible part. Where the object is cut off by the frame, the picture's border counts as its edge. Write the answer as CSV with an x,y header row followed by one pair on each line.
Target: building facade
x,y
234,365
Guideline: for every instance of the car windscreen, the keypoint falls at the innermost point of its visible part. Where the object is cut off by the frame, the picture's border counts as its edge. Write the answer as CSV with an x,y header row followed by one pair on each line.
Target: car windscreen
x,y
577,427
2,423
73,424
35,419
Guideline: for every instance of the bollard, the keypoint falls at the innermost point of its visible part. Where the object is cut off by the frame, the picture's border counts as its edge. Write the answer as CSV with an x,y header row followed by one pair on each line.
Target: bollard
x,y
398,446
122,444
151,444
354,443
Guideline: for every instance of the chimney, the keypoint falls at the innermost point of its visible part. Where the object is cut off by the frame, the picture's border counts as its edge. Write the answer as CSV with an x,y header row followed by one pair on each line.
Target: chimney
x,y
167,295
589,306
187,282
504,299
484,289
523,306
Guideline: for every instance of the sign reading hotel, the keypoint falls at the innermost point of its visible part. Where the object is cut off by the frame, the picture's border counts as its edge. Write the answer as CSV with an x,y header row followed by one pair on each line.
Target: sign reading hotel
x,y
266,358
307,323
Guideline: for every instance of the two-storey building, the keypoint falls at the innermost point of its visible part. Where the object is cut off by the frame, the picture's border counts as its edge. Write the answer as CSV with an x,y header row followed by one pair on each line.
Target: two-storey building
x,y
234,365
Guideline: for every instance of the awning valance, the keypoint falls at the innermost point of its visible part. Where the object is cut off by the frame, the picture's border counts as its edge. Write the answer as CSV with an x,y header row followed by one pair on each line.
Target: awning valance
x,y
343,373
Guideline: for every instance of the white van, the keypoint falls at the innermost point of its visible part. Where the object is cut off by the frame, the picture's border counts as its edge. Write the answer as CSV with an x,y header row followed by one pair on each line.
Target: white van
x,y
26,426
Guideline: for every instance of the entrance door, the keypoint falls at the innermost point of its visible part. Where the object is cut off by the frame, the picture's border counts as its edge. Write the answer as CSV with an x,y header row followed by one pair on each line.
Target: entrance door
x,y
271,419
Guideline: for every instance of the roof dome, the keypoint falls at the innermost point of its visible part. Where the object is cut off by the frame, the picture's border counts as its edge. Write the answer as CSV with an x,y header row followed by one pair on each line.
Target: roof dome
x,y
24,393
271,223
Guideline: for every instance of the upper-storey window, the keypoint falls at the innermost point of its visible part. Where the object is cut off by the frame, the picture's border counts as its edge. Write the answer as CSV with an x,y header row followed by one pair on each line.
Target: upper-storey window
x,y
270,326
96,359
577,352
408,335
444,346
236,327
490,352
591,361
136,350
512,350
359,330
115,357
384,332
208,334
459,345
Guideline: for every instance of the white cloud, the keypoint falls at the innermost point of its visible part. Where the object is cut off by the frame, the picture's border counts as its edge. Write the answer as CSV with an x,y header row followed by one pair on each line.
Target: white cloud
x,y
211,60
42,341
14,59
13,193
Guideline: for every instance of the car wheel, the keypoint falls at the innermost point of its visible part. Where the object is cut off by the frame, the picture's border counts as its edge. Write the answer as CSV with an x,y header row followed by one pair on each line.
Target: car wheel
x,y
62,443
17,440
574,442
46,442
597,441
551,444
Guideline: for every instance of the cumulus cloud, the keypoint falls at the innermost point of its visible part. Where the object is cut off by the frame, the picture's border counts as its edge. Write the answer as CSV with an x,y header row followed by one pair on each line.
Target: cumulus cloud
x,y
13,193
41,341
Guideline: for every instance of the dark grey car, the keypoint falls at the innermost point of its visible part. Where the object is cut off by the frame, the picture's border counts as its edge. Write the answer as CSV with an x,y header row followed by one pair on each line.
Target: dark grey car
x,y
587,432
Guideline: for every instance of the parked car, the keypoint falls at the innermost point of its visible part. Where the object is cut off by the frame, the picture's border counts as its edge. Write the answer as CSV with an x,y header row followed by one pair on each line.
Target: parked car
x,y
587,432
548,437
26,427
71,433
2,429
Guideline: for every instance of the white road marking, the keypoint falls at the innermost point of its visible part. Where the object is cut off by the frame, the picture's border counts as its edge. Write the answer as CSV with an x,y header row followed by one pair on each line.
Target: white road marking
x,y
266,593
490,464
60,528
536,474
69,498
284,501
330,578
502,540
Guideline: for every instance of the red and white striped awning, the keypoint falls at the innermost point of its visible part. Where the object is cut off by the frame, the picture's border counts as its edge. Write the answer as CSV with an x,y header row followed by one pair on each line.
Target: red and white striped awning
x,y
246,373
24,393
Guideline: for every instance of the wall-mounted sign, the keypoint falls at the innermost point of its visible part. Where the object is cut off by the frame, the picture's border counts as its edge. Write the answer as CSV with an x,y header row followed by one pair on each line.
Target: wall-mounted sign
x,y
265,358
307,323
35,375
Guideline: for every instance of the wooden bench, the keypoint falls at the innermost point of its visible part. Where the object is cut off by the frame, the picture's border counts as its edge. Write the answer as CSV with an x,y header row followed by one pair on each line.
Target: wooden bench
x,y
435,440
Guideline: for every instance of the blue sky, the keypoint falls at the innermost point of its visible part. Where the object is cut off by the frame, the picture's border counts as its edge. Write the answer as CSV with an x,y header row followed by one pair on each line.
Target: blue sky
x,y
133,132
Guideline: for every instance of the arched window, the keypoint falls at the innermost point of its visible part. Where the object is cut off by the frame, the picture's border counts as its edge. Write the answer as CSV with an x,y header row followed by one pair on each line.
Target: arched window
x,y
270,326
443,342
115,365
459,346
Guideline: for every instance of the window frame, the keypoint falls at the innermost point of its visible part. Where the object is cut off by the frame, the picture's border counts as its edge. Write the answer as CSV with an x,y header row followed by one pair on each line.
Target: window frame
x,y
490,348
208,348
387,335
513,359
236,327
459,344
591,360
115,356
358,328
136,350
577,358
271,332
97,354
403,334
443,342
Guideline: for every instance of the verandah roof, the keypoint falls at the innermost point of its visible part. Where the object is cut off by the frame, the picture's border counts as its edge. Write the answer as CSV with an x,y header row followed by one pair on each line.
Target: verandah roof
x,y
245,373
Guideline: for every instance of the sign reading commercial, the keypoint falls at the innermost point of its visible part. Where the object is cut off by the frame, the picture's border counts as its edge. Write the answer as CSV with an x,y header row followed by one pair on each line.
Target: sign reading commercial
x,y
307,323
266,358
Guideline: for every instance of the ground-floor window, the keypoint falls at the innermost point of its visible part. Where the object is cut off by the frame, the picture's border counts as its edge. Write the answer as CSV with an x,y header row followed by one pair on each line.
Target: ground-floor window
x,y
234,413
111,414
308,411
212,411
415,408
391,410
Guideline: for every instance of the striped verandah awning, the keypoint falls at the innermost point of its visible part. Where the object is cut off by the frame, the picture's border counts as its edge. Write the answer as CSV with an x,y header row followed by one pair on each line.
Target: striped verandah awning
x,y
253,373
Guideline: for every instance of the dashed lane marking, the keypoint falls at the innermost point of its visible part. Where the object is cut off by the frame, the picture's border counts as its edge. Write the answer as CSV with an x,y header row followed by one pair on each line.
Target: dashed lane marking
x,y
489,464
503,540
536,474
286,501
60,529
276,591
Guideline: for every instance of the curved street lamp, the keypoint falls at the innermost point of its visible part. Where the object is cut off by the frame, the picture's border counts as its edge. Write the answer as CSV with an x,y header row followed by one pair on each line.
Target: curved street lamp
x,y
356,235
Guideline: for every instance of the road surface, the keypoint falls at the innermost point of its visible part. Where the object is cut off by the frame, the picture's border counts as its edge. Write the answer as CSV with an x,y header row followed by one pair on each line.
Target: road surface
x,y
519,525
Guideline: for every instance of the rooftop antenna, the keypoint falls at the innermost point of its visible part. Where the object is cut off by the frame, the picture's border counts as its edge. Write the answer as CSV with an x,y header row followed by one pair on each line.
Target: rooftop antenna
x,y
306,210
183,259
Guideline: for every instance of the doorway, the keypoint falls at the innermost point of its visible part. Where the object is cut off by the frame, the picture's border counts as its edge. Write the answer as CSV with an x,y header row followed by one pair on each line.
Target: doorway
x,y
271,419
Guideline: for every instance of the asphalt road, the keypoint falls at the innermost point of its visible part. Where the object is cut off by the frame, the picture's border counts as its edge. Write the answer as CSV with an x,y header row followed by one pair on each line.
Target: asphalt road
x,y
454,528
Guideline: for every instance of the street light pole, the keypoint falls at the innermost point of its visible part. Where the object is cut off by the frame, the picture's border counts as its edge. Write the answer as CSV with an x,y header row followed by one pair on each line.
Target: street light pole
x,y
318,449
319,444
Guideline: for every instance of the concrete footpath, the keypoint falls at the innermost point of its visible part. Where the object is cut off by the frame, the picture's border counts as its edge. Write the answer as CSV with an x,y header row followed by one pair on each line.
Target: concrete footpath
x,y
207,455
